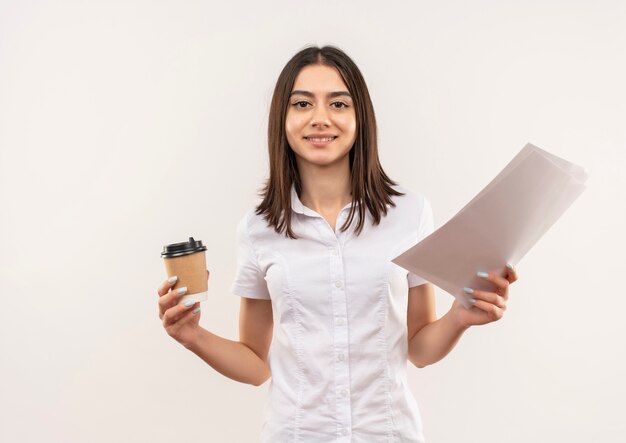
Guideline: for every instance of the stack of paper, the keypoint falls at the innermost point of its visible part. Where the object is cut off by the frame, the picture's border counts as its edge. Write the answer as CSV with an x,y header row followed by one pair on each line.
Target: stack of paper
x,y
499,225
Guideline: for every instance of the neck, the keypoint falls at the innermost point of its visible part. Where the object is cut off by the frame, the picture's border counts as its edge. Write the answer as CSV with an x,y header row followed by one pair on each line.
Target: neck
x,y
327,188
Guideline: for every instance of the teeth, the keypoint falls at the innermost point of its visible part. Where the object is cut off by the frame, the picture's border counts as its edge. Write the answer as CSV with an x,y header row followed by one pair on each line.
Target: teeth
x,y
326,139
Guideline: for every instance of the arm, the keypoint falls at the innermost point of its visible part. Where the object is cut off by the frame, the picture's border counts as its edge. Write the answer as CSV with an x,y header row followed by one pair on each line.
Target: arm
x,y
244,360
430,339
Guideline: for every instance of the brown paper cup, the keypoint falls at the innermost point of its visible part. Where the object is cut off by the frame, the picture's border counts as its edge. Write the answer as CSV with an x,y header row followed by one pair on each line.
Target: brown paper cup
x,y
187,261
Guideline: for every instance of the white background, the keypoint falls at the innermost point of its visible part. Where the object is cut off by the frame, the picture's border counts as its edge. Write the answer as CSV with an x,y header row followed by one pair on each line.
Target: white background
x,y
128,125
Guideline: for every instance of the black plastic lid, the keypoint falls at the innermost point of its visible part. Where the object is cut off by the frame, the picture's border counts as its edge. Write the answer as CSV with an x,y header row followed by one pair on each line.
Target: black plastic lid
x,y
178,249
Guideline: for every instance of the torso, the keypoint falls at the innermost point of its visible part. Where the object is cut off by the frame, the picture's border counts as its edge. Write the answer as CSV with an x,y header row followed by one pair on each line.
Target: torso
x,y
339,349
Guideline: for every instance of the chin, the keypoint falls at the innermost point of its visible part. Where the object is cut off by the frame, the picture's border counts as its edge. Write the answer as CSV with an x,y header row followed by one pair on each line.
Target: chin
x,y
320,156
323,160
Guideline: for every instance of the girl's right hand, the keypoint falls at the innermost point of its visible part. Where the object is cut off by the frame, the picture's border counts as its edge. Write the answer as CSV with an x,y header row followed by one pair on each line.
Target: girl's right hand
x,y
180,322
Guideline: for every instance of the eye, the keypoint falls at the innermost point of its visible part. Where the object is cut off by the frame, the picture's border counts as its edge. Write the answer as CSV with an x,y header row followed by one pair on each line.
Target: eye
x,y
341,105
301,104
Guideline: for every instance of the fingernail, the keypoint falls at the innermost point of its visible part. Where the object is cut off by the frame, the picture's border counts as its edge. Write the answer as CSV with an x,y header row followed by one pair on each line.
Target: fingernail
x,y
189,303
510,266
468,290
195,311
471,300
482,274
181,290
172,279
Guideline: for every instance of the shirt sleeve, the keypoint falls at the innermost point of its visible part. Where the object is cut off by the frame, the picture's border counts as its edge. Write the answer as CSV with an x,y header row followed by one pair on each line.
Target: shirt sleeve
x,y
249,280
426,227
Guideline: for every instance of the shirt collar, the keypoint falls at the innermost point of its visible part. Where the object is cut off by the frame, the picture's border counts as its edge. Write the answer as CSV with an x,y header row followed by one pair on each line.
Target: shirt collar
x,y
297,206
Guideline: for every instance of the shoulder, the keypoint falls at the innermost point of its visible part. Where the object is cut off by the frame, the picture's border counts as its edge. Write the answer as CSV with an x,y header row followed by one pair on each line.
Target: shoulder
x,y
253,226
411,200
414,211
244,220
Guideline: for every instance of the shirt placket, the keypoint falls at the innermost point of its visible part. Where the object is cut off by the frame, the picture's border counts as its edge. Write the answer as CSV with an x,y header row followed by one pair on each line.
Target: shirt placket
x,y
341,337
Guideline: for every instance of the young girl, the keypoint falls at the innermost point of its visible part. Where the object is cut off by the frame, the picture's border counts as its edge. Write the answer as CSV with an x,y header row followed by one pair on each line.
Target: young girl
x,y
324,311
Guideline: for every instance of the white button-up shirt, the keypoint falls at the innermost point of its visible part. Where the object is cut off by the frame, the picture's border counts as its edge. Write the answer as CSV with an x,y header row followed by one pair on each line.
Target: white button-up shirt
x,y
338,356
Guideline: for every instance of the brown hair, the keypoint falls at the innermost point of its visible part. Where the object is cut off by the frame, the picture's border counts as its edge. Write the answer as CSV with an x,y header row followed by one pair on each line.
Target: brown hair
x,y
371,187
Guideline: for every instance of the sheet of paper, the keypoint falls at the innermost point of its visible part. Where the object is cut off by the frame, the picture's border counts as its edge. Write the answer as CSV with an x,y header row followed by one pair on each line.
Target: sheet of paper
x,y
499,225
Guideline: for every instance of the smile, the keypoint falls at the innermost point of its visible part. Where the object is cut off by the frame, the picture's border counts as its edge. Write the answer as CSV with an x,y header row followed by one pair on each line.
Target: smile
x,y
320,139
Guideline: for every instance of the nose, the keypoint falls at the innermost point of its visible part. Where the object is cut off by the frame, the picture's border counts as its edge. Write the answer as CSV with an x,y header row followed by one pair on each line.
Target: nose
x,y
320,117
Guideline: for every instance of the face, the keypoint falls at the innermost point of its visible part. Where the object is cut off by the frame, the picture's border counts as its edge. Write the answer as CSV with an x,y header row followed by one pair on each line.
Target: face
x,y
321,120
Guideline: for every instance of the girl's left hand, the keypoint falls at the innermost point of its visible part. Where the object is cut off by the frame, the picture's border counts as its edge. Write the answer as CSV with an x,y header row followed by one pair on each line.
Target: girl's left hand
x,y
487,306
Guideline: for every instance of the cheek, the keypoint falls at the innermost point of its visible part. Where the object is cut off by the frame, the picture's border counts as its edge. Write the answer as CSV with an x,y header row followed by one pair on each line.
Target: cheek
x,y
348,125
294,125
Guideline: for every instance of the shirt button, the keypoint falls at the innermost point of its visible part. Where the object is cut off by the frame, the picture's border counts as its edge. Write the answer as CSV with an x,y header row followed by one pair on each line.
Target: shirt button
x,y
333,251
339,284
344,392
340,322
344,431
341,357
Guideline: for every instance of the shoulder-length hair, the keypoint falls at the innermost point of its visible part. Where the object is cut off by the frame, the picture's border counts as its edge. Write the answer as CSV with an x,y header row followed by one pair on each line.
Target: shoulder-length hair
x,y
370,186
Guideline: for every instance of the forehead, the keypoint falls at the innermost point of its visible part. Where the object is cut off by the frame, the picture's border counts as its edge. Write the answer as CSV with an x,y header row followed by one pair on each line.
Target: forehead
x,y
319,78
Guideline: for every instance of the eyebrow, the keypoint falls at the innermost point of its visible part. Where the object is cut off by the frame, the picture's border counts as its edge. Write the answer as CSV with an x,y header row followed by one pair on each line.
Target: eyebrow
x,y
330,94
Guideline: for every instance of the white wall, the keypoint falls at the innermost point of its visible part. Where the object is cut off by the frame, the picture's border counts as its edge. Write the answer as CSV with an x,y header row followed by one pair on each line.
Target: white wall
x,y
128,125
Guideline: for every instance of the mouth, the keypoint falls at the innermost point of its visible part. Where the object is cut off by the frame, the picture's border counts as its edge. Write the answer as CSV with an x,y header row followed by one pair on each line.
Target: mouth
x,y
320,139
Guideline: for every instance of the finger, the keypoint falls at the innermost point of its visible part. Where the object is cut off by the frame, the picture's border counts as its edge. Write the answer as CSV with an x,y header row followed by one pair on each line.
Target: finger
x,y
173,297
488,297
166,286
511,273
175,313
188,316
493,312
501,283
170,299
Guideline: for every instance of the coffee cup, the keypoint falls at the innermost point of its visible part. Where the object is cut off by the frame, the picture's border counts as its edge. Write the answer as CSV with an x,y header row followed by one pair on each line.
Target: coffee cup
x,y
187,261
